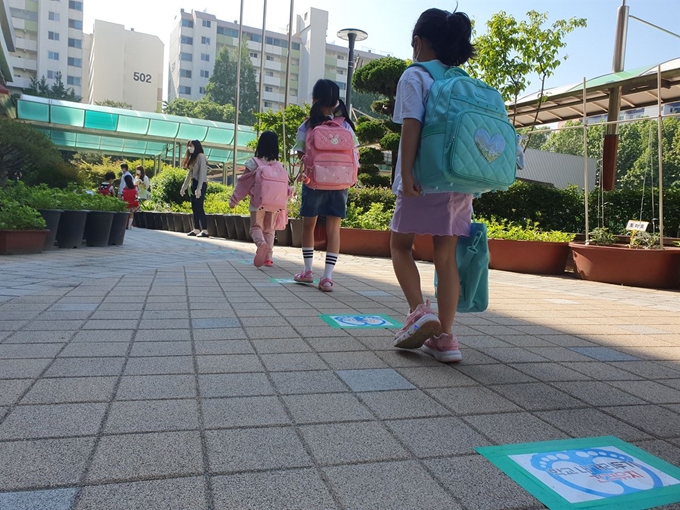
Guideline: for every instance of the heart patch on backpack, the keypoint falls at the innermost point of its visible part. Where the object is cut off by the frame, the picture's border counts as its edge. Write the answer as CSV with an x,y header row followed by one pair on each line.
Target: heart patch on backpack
x,y
489,146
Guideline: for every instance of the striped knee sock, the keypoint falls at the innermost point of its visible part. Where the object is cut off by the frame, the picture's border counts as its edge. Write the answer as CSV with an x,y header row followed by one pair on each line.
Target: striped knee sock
x,y
331,259
308,256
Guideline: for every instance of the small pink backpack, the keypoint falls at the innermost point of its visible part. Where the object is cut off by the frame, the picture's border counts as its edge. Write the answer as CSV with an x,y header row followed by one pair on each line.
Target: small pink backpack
x,y
270,191
331,159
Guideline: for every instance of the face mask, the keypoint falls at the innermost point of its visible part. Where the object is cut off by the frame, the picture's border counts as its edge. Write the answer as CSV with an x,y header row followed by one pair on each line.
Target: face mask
x,y
416,53
191,150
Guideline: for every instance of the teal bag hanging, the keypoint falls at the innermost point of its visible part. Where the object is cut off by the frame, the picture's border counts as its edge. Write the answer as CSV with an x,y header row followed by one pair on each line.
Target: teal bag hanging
x,y
472,256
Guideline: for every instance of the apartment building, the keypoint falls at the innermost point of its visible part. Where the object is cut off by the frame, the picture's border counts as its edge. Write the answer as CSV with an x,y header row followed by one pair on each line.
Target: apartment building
x,y
198,37
48,40
6,42
124,66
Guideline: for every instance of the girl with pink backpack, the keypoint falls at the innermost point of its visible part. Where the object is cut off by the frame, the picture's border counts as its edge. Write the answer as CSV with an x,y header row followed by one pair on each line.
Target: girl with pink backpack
x,y
328,148
266,181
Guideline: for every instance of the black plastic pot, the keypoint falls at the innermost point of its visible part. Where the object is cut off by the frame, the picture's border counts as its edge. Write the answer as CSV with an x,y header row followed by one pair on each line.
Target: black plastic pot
x,y
284,237
230,223
212,226
98,228
71,229
240,227
177,224
221,225
188,222
140,219
246,227
118,228
167,221
51,217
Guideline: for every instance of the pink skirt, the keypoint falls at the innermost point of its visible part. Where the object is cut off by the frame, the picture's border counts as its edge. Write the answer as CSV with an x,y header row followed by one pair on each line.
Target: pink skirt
x,y
438,214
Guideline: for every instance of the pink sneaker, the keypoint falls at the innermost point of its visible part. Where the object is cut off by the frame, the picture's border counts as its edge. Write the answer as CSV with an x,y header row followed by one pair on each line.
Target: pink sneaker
x,y
421,324
444,348
261,254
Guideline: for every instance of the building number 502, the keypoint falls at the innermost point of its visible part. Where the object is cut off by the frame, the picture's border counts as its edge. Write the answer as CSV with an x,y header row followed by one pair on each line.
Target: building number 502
x,y
145,78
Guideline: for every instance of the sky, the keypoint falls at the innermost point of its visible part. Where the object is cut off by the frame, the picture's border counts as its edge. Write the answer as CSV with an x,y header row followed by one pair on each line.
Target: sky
x,y
389,24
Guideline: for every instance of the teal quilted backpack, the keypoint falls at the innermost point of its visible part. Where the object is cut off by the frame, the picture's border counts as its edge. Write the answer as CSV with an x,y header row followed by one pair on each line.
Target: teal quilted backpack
x,y
467,143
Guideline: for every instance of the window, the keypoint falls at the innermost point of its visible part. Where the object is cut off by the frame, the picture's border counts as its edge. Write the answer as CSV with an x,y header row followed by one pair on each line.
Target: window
x,y
341,57
187,23
185,39
75,43
269,89
75,23
53,55
23,14
75,62
253,54
76,6
201,90
53,16
53,36
205,40
228,31
269,73
296,46
51,75
253,37
281,43
268,104
341,72
206,23
187,57
205,74
205,57
270,58
73,80
184,90
342,85
184,73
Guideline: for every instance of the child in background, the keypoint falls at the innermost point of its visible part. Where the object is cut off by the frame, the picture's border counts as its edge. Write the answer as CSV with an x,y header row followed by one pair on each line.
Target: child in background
x,y
130,196
266,181
444,36
106,188
331,203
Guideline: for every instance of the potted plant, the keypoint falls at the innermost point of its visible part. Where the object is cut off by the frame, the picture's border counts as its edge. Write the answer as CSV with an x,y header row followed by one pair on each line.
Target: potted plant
x,y
22,229
100,218
641,263
41,198
527,249
366,233
71,228
294,219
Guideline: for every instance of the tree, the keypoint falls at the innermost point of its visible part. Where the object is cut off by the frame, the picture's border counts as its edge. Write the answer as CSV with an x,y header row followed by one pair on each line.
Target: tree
x,y
537,139
57,90
221,87
363,102
201,109
114,104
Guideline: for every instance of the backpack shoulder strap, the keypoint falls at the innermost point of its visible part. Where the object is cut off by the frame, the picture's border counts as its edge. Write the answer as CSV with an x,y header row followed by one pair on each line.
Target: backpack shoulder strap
x,y
439,71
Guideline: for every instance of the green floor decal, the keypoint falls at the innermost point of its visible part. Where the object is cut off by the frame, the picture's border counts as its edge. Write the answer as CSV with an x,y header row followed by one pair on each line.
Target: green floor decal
x,y
598,472
360,321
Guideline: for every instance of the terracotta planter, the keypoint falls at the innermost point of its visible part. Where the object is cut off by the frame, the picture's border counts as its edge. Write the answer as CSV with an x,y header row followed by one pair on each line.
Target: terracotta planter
x,y
320,237
71,229
212,227
284,237
221,225
372,243
295,232
534,257
230,222
98,228
51,217
423,248
22,242
118,229
657,269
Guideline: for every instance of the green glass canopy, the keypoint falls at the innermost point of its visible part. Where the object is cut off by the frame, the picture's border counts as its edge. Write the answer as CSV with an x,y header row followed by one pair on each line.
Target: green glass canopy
x,y
86,127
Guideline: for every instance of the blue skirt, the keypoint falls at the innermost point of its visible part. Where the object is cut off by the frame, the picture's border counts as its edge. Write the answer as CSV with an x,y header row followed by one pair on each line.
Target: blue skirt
x,y
323,202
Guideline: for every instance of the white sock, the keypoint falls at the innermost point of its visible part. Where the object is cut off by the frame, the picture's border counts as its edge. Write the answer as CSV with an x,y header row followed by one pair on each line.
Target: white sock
x,y
331,259
308,256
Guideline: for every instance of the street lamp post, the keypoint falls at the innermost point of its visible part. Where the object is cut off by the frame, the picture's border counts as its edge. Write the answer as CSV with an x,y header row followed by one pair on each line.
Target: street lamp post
x,y
352,35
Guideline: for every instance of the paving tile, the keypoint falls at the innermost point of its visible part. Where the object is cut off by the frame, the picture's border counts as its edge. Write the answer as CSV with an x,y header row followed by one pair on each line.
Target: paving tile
x,y
119,324
323,408
71,390
255,449
12,389
461,476
353,360
284,345
19,351
94,350
173,494
152,416
377,379
649,369
436,377
591,422
55,499
163,335
662,449
550,372
341,443
215,323
231,363
401,358
75,367
42,463
650,391
74,307
293,362
494,374
514,428
559,354
160,365
58,420
603,371
234,385
402,404
224,347
301,489
161,349
146,387
604,354
133,456
652,419
104,336
335,344
243,412
40,337
388,485
271,332
437,436
54,325
537,396
598,393
513,355
219,334
292,383
472,400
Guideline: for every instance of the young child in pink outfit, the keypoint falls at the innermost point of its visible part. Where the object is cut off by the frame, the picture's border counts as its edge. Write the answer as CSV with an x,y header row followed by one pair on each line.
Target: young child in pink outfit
x,y
265,217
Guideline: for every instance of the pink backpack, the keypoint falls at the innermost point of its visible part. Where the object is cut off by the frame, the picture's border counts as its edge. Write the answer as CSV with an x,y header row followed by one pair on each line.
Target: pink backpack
x,y
270,191
331,160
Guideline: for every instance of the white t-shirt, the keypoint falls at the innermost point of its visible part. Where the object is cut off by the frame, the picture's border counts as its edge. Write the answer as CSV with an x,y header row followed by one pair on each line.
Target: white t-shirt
x,y
413,90
143,187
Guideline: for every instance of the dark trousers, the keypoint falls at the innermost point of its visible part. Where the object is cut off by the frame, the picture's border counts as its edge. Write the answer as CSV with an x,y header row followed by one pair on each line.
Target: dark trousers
x,y
200,221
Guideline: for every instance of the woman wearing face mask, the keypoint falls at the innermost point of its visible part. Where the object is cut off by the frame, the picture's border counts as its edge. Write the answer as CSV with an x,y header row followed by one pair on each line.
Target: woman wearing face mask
x,y
197,165
142,183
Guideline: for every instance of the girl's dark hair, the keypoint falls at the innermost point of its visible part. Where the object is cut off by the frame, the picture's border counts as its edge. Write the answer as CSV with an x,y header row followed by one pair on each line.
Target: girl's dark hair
x,y
129,183
326,93
109,175
268,146
449,33
141,171
198,149
341,111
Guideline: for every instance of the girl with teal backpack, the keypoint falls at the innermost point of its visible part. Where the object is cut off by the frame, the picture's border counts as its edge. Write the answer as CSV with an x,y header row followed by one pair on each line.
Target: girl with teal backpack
x,y
444,37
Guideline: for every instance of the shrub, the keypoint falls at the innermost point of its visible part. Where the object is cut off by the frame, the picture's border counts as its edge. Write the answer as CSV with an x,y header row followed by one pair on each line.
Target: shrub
x,y
602,236
390,142
529,232
376,218
99,202
14,216
370,131
371,156
377,180
363,198
165,186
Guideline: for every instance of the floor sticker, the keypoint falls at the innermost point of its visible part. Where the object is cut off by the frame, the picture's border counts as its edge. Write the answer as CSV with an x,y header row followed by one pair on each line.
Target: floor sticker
x,y
360,321
291,280
598,472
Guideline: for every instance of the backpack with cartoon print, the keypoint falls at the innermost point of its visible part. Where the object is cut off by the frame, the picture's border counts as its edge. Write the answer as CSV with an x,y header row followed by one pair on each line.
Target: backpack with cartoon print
x,y
331,159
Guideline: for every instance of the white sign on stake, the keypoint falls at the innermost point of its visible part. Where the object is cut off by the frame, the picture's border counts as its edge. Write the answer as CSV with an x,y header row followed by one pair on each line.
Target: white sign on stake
x,y
640,226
